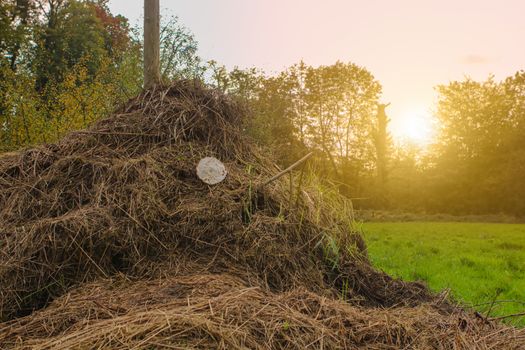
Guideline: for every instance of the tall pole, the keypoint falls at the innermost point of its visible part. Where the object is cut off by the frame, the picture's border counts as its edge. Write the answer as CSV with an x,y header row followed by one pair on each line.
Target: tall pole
x,y
151,43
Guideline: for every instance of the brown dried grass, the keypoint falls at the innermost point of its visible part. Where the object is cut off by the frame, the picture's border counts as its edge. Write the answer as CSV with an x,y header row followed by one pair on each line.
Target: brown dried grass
x,y
209,311
235,265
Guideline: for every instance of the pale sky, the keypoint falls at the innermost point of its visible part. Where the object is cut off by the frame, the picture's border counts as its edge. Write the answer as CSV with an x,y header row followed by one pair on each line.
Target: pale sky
x,y
410,46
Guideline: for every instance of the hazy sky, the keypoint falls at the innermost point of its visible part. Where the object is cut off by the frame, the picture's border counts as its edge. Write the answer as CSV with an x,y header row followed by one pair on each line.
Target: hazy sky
x,y
409,45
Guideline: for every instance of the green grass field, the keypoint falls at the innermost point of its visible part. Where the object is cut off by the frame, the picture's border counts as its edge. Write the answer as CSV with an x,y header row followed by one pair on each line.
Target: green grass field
x,y
477,261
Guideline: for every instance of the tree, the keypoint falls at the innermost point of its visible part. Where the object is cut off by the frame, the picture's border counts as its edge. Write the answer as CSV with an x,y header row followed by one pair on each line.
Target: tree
x,y
328,109
382,141
218,76
16,18
477,163
74,62
340,102
20,124
74,31
179,57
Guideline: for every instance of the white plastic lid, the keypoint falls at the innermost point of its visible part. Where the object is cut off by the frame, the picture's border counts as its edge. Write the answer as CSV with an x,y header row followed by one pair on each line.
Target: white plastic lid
x,y
211,170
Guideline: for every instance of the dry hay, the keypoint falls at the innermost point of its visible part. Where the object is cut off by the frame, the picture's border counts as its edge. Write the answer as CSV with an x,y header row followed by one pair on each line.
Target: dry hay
x,y
209,311
234,265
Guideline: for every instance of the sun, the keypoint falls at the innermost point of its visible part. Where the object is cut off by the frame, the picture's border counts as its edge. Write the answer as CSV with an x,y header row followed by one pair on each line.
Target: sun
x,y
415,126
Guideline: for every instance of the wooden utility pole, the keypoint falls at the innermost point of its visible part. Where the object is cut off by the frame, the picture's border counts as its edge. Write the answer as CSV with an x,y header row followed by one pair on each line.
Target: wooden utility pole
x,y
151,43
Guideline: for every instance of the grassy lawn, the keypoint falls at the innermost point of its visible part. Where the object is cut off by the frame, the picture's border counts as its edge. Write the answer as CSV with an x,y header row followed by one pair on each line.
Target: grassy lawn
x,y
477,261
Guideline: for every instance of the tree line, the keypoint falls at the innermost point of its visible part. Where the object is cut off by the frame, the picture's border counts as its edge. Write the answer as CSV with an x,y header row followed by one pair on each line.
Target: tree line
x,y
67,63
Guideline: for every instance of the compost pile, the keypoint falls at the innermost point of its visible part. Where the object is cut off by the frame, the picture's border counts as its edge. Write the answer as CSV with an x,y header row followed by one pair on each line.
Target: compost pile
x,y
109,240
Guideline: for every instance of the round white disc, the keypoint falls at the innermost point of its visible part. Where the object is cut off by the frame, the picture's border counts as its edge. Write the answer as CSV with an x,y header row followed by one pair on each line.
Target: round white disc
x,y
211,170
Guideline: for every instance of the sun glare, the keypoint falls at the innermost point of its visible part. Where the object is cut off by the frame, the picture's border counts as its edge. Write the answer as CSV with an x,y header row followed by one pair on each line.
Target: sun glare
x,y
415,126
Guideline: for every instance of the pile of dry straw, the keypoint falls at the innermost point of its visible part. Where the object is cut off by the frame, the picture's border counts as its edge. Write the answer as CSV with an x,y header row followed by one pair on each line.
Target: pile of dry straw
x,y
110,241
